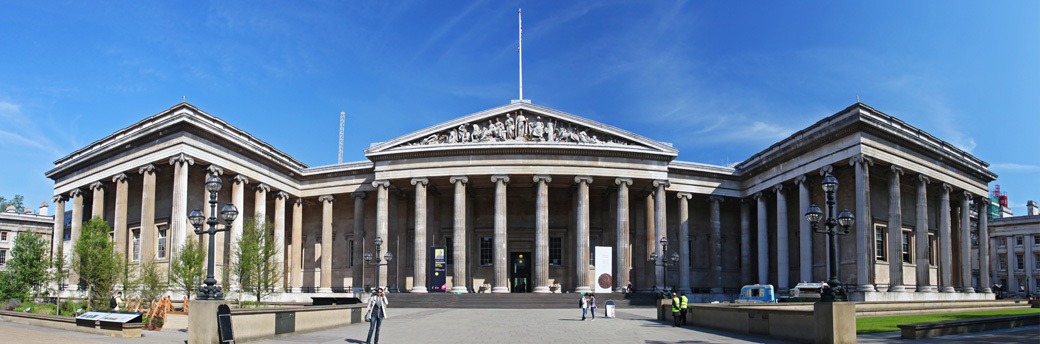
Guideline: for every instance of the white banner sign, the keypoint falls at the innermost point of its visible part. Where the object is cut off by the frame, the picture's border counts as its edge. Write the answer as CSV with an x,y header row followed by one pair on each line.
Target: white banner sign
x,y
604,281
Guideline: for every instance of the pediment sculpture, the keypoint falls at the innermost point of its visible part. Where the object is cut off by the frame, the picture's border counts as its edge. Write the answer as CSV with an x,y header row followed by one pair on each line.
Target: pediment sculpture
x,y
506,128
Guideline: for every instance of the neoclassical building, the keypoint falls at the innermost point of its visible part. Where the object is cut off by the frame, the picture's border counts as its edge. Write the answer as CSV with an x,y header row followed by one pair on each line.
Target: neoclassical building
x,y
519,196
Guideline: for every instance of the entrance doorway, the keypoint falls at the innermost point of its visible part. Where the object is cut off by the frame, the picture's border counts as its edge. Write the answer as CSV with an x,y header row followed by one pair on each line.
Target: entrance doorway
x,y
520,272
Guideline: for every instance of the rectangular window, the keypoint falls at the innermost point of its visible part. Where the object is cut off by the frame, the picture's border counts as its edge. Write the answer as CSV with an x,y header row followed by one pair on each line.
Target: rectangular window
x,y
879,243
907,247
1001,242
1036,261
3,236
485,251
933,254
350,255
450,249
136,256
1020,263
555,251
1018,240
162,243
3,257
1002,262
1036,240
689,248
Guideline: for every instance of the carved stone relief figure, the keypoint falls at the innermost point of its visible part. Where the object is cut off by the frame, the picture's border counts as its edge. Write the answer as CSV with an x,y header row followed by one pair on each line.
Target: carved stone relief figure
x,y
520,128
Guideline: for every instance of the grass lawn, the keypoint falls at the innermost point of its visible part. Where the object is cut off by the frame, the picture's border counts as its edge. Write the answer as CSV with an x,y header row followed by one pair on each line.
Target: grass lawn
x,y
888,324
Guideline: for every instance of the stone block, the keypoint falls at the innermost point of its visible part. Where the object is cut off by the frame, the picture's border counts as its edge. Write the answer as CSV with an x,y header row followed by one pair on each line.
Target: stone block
x,y
835,322
202,321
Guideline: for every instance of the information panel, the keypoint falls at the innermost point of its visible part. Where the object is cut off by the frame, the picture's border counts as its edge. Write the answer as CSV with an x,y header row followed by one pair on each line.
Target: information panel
x,y
604,266
438,269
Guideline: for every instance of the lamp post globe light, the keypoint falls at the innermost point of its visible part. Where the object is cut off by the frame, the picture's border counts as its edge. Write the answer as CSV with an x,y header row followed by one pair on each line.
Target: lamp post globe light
x,y
834,291
376,260
211,291
666,262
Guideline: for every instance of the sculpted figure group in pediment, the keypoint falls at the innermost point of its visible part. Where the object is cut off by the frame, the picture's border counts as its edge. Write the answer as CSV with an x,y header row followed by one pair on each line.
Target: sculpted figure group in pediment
x,y
506,128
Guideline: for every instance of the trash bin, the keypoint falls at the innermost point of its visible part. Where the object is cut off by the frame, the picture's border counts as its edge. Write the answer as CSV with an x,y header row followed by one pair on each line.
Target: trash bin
x,y
609,309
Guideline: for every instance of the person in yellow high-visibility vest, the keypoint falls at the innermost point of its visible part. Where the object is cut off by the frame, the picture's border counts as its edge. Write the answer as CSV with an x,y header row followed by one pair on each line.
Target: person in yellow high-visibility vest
x,y
683,302
676,307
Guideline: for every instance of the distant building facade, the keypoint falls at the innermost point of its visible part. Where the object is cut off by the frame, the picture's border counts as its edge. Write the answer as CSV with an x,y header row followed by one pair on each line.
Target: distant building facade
x,y
1016,259
18,222
522,180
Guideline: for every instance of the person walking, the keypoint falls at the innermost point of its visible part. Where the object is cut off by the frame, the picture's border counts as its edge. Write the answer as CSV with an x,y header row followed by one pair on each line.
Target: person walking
x,y
376,312
116,301
584,304
683,302
592,306
675,310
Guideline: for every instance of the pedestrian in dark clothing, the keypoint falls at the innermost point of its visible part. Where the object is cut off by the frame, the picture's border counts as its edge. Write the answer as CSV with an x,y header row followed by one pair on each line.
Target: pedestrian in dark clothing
x,y
376,313
592,306
683,303
675,310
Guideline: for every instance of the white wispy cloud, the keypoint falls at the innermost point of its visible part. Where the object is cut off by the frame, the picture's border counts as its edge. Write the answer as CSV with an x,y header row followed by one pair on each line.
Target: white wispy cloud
x,y
21,132
1014,167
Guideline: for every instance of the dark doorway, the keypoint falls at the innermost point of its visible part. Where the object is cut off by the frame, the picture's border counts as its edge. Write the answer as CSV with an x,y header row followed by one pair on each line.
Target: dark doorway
x,y
520,272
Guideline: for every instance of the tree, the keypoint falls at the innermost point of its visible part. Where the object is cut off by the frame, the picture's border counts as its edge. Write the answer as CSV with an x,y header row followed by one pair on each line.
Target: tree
x,y
28,264
16,202
60,266
187,270
151,279
96,262
257,266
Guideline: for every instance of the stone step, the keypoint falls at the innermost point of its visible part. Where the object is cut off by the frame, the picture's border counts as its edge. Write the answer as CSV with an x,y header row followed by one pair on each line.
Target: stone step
x,y
512,301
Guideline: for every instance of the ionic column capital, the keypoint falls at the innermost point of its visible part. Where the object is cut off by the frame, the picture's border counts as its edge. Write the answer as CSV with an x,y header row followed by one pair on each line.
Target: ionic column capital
x,y
946,187
895,170
359,194
759,196
281,195
459,179
828,169
966,195
213,170
181,159
778,188
240,179
583,179
97,186
716,199
59,199
684,195
799,180
423,181
262,187
661,182
383,183
625,181
500,177
923,179
75,193
861,159
326,198
538,178
120,178
298,202
149,168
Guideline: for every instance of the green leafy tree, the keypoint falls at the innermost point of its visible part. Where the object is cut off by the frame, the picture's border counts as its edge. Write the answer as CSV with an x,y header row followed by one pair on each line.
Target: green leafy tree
x,y
96,262
28,263
16,202
187,270
60,268
257,266
151,279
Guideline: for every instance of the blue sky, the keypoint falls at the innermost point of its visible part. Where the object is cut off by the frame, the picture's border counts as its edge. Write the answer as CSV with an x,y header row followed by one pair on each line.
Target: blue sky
x,y
721,80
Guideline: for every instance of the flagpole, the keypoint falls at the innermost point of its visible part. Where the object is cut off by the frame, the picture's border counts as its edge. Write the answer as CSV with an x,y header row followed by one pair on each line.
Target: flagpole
x,y
520,50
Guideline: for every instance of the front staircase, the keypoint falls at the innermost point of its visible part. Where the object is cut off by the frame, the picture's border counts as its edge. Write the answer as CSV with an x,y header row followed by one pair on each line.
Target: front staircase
x,y
513,300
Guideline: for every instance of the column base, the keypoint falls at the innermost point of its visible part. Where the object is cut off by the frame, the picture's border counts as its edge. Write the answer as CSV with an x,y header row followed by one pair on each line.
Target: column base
x,y
987,290
948,289
897,288
295,290
582,290
459,289
541,290
500,290
926,289
716,291
418,290
323,290
865,287
968,290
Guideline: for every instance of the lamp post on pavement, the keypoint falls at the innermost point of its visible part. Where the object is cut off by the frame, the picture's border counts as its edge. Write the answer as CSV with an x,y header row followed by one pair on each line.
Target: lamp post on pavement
x,y
834,292
211,291
671,261
376,261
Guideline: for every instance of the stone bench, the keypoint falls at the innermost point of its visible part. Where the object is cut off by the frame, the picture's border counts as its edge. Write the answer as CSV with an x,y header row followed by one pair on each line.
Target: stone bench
x,y
945,328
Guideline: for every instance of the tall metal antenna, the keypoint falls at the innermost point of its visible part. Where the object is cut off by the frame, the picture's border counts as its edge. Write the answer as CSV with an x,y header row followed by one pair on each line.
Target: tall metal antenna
x,y
520,51
342,122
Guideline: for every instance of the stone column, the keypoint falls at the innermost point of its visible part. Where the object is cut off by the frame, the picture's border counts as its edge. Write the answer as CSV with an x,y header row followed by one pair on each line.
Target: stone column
x,y
148,234
58,235
965,252
458,284
358,270
582,250
763,240
660,230
945,240
541,234
745,242
715,217
895,231
260,201
325,284
783,245
179,214
623,257
296,266
684,235
77,224
805,246
279,234
238,183
98,205
119,222
924,283
650,235
500,250
864,223
983,210
382,225
419,266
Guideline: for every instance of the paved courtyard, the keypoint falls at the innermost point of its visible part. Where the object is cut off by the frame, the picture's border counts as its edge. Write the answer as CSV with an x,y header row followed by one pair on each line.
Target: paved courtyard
x,y
504,326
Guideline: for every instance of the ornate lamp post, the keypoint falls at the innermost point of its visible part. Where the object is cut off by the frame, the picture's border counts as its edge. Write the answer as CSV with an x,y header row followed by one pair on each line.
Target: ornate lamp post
x,y
671,261
211,291
376,261
845,219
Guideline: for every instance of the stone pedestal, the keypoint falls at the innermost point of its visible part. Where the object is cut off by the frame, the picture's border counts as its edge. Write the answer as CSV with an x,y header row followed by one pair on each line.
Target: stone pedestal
x,y
835,322
202,321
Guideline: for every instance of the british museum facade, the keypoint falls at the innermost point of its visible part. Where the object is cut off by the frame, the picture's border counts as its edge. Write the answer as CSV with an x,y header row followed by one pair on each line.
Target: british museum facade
x,y
524,198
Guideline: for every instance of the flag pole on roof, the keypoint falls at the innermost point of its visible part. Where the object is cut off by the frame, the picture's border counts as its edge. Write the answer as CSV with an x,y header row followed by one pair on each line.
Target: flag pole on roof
x,y
520,51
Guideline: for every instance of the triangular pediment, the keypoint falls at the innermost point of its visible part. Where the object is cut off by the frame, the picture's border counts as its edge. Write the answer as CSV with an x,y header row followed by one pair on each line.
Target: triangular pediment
x,y
521,125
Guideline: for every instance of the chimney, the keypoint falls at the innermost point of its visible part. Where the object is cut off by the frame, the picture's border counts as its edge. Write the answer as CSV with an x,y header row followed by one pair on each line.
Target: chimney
x,y
1032,208
43,209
